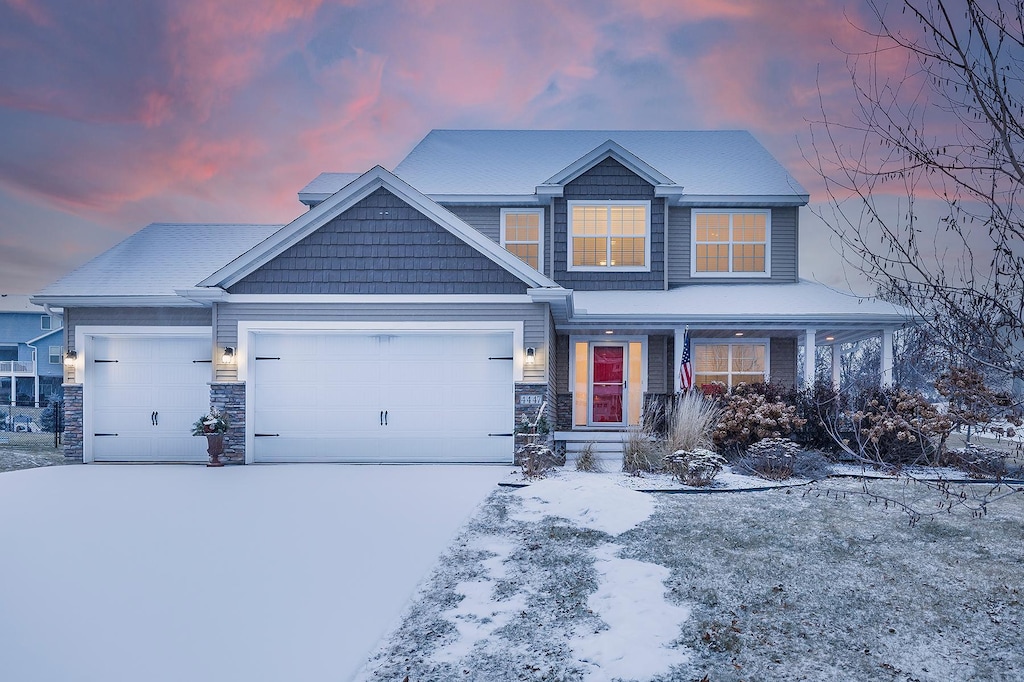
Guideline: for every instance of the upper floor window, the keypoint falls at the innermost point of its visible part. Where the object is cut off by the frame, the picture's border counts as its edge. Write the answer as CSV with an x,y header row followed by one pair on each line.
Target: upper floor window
x,y
56,355
522,231
605,234
45,322
727,243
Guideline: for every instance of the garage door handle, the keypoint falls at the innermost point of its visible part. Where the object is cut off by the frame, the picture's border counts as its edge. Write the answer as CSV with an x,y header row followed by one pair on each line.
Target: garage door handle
x,y
502,435
104,434
502,358
153,419
385,417
266,435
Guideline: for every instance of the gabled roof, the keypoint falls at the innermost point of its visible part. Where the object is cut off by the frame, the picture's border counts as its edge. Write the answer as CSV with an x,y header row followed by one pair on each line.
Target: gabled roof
x,y
611,149
154,262
348,196
708,165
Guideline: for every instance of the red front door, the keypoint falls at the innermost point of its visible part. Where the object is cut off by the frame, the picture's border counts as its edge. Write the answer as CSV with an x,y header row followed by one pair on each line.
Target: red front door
x,y
609,372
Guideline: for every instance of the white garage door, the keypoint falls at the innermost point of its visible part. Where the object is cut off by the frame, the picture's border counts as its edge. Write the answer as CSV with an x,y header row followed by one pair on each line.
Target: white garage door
x,y
340,397
145,394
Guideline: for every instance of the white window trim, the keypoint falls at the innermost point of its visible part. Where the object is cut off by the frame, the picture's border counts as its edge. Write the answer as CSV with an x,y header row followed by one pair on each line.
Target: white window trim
x,y
766,342
610,340
729,211
540,232
59,356
608,268
45,323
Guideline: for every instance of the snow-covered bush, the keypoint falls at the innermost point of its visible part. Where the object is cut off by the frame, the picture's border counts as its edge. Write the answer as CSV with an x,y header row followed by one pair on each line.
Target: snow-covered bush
x,y
697,467
771,458
748,415
536,459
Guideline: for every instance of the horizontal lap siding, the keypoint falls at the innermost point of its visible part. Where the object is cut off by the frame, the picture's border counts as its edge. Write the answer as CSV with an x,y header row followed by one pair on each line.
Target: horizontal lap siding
x,y
535,319
657,364
784,246
486,219
782,356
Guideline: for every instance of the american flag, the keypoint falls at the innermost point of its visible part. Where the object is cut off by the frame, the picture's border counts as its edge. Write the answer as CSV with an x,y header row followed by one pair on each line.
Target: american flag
x,y
686,364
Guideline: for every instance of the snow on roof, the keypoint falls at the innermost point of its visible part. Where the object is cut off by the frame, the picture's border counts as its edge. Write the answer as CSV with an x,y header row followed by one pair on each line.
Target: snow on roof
x,y
502,162
18,303
158,259
324,185
793,302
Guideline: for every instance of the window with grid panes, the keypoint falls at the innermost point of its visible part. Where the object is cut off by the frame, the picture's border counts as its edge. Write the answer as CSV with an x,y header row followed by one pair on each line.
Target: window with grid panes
x,y
730,243
609,235
522,234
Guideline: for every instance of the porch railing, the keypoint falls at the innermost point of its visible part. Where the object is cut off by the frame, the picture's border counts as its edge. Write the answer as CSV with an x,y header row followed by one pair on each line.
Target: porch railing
x,y
17,367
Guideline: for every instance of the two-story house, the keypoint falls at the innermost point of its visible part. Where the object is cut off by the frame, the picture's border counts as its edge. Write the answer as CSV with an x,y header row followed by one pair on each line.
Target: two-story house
x,y
416,315
31,352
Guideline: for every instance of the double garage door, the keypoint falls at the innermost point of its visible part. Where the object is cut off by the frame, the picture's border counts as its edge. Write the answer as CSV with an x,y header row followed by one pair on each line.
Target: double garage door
x,y
389,397
313,397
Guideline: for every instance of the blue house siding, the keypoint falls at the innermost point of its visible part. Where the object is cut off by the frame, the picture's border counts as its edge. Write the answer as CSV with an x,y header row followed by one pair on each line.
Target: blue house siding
x,y
609,180
380,246
784,248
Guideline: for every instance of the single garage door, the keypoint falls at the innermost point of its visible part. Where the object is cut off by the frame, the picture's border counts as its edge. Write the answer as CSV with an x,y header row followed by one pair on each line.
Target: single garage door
x,y
348,397
146,392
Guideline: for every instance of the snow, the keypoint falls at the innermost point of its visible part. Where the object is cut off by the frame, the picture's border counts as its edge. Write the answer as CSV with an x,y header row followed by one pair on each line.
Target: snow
x,y
597,502
125,573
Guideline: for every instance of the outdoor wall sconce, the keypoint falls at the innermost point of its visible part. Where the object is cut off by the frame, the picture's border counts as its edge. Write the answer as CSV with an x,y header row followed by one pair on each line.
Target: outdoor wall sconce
x,y
70,357
531,355
229,355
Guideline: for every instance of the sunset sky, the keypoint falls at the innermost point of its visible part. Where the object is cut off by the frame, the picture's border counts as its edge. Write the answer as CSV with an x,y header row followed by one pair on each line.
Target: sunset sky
x,y
114,115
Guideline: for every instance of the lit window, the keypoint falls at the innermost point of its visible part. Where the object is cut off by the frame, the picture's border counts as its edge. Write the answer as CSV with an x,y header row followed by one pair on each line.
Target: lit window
x,y
45,322
724,365
56,355
726,243
522,234
609,235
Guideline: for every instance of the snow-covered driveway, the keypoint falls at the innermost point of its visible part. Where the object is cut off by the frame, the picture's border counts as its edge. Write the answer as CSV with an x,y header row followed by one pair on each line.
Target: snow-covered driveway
x,y
127,573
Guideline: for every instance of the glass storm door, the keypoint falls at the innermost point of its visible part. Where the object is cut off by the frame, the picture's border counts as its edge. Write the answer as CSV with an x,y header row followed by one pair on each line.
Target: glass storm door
x,y
608,369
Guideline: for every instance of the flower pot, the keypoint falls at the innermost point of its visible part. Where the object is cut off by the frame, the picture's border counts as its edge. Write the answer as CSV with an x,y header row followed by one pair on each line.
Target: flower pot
x,y
215,448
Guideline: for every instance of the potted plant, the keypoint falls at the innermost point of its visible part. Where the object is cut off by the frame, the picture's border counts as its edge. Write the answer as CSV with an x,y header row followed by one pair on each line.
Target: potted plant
x,y
213,425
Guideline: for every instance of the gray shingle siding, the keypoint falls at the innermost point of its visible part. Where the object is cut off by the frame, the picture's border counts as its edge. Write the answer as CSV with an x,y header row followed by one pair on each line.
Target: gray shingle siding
x,y
784,247
609,180
380,246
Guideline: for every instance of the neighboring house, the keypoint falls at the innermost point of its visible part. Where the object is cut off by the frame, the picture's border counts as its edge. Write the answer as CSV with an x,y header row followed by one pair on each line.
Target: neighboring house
x,y
418,315
31,352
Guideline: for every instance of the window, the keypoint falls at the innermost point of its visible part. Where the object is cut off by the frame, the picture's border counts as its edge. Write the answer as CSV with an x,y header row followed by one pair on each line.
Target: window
x,y
45,323
729,364
56,355
608,381
522,231
604,234
731,244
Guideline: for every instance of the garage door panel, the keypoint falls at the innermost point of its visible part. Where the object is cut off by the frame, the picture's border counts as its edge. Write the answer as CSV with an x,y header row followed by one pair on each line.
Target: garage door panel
x,y
165,375
442,393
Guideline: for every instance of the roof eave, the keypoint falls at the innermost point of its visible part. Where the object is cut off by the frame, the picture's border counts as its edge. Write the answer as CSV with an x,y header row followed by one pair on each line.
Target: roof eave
x,y
154,301
741,200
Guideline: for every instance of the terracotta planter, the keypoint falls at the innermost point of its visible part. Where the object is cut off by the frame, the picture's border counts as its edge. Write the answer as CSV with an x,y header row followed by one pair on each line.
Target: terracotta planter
x,y
215,448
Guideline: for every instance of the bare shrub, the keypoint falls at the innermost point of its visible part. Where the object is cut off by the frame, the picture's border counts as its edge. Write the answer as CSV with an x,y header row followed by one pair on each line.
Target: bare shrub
x,y
586,460
896,427
697,467
977,461
640,451
748,415
690,423
536,460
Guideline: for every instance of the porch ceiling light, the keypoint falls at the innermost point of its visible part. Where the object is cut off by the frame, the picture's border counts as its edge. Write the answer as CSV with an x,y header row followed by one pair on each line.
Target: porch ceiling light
x,y
531,355
609,331
229,355
830,338
70,357
739,333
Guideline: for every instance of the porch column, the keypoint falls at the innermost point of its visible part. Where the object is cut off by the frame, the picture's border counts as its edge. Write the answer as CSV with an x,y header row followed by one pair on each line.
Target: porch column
x,y
837,364
887,361
677,359
809,354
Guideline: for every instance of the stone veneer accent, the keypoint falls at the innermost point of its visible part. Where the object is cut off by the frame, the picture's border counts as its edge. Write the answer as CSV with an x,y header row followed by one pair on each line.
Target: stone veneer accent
x,y
73,439
229,397
530,412
563,412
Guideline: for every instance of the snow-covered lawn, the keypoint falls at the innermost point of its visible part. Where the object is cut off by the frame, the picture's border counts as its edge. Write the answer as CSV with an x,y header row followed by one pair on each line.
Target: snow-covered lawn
x,y
581,578
258,573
